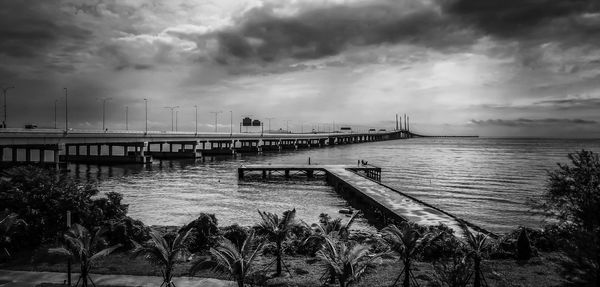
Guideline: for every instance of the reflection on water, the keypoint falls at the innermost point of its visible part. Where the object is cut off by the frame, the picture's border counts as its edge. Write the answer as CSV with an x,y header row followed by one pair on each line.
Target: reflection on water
x,y
486,181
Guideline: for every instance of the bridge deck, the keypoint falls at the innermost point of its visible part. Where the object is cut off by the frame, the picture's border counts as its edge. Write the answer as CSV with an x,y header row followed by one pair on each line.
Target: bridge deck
x,y
404,206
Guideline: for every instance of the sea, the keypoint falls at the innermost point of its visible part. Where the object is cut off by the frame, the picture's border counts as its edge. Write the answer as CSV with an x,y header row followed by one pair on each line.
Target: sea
x,y
490,182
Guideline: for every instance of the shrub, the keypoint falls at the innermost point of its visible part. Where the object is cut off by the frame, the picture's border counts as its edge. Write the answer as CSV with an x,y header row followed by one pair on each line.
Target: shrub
x,y
125,230
524,251
443,245
205,233
573,195
42,198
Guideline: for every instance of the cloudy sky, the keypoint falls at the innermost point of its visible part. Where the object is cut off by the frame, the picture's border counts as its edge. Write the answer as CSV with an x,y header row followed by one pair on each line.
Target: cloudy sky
x,y
493,68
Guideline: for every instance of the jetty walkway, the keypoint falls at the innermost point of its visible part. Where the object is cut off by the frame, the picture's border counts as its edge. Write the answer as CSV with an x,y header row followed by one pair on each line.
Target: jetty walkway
x,y
362,185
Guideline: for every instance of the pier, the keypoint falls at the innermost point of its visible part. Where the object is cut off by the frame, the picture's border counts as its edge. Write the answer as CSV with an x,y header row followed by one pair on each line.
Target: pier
x,y
361,185
54,147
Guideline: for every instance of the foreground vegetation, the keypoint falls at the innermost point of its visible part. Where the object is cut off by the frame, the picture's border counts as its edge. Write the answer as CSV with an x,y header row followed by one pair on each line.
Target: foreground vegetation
x,y
281,251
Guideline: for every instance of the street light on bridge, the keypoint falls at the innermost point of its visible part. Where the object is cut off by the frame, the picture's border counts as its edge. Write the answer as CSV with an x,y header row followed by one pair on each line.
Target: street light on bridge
x,y
269,119
4,90
66,112
172,114
104,112
196,115
216,119
146,104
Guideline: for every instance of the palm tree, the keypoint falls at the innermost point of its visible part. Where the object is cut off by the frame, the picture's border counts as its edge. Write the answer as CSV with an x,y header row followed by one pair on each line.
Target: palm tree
x,y
348,263
477,246
231,259
408,240
327,226
164,251
276,230
7,224
86,248
455,272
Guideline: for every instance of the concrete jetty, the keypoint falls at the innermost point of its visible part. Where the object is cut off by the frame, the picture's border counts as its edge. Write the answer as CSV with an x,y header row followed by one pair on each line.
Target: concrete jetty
x,y
362,183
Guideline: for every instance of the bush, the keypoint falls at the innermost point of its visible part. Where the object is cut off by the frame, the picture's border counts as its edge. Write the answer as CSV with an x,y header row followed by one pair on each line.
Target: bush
x,y
125,230
524,251
42,198
443,246
205,232
573,195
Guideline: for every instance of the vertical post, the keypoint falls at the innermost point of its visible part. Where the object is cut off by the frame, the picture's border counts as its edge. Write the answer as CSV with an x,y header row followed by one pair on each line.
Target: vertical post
x,y
69,258
67,152
4,90
103,113
55,103
66,113
126,118
27,155
143,150
196,108
231,124
146,104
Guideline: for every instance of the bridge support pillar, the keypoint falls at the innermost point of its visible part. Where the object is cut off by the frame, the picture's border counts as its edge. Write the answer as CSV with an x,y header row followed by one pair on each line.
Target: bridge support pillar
x,y
42,154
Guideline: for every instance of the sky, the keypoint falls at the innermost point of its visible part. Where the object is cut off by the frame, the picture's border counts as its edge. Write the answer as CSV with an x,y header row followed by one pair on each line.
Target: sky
x,y
455,67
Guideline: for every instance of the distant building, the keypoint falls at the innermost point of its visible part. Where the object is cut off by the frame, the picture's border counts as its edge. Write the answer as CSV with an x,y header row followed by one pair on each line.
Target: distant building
x,y
256,123
247,122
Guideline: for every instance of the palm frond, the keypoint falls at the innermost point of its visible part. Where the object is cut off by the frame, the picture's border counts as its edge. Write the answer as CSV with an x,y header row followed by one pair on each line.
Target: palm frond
x,y
104,252
60,251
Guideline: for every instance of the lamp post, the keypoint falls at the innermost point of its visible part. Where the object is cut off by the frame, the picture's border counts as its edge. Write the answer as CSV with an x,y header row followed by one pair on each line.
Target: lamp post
x,y
126,118
4,90
230,123
269,119
172,110
176,120
104,112
146,104
55,103
66,112
196,115
216,119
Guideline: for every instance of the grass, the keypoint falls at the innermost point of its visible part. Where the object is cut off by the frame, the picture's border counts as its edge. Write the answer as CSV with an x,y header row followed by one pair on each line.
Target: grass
x,y
307,271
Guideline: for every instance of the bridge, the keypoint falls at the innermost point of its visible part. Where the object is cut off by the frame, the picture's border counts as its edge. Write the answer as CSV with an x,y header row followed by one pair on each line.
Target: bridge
x,y
55,147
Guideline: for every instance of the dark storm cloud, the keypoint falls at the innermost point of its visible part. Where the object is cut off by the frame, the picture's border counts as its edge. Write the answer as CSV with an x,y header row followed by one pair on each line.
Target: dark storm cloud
x,y
531,122
513,17
315,32
30,28
323,31
576,103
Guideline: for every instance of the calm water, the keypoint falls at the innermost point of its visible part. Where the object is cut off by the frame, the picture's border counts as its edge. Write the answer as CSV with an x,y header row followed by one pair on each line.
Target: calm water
x,y
485,181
